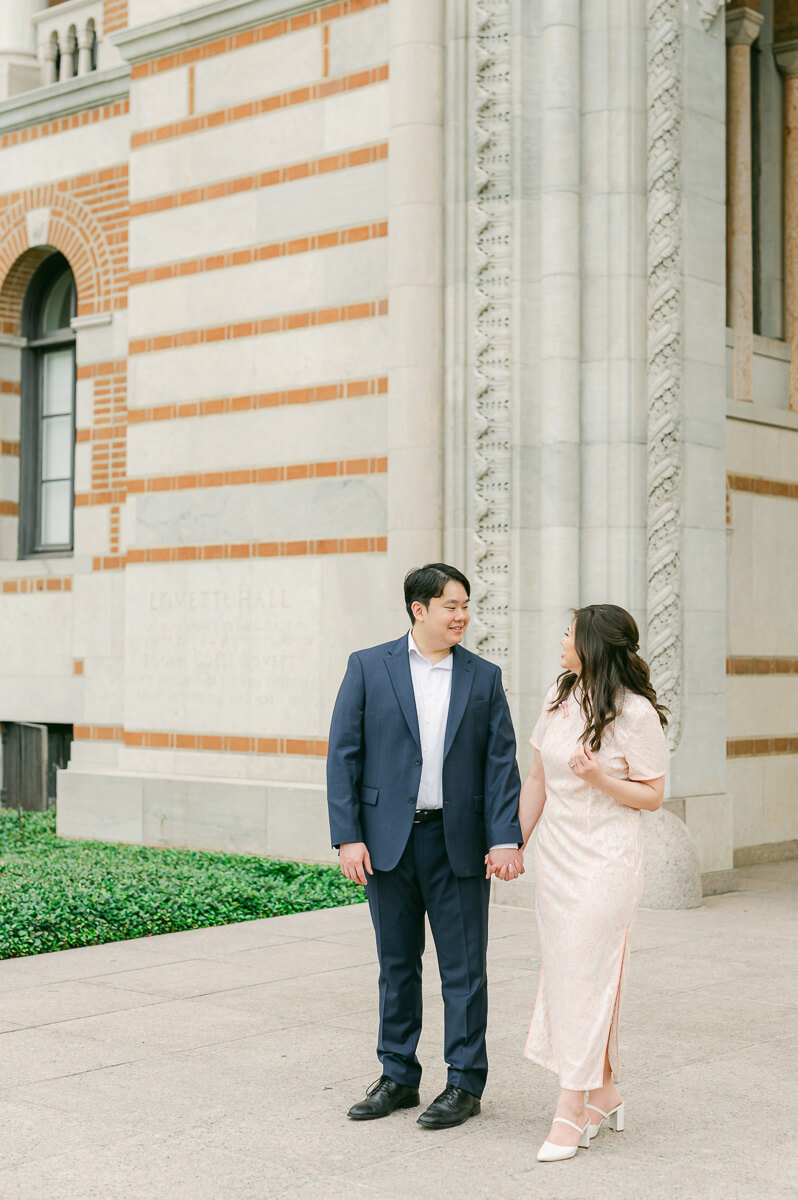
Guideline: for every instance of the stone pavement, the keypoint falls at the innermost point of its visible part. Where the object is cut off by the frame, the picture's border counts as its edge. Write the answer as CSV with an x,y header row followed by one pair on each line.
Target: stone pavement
x,y
219,1064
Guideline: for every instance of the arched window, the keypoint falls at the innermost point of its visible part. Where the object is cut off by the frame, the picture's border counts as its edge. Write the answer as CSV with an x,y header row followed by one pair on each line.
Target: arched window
x,y
47,434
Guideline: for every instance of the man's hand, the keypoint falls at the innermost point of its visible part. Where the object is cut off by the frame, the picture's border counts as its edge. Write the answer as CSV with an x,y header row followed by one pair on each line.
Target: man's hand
x,y
506,864
354,857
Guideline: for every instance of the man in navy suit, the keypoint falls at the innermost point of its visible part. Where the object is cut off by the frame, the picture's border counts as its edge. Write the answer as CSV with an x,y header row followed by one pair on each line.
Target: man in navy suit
x,y
422,791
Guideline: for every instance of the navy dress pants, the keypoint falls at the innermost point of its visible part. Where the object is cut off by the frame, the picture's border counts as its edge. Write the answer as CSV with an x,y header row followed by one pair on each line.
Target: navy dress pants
x,y
423,881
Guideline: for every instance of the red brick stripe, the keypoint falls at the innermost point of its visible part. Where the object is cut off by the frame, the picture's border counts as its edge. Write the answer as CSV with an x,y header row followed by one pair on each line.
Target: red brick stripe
x,y
9,508
90,370
760,746
36,583
761,666
9,449
245,183
114,15
8,387
240,550
348,390
98,733
101,433
89,116
260,253
256,108
761,486
230,743
319,16
241,329
248,475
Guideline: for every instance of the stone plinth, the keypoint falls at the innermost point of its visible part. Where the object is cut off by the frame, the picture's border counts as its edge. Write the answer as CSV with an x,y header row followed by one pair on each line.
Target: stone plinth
x,y
672,873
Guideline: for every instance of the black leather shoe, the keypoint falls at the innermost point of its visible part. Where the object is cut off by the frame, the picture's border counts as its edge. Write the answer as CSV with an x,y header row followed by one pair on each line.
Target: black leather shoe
x,y
384,1097
452,1107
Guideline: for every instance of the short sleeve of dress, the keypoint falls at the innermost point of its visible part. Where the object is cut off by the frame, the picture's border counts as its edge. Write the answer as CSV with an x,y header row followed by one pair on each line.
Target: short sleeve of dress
x,y
645,742
539,732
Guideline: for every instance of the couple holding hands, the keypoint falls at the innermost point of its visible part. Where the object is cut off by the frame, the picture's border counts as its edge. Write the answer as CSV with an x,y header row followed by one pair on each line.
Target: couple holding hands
x,y
426,803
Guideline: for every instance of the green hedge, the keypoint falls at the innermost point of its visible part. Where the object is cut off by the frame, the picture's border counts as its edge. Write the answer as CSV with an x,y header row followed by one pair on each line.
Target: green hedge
x,y
57,894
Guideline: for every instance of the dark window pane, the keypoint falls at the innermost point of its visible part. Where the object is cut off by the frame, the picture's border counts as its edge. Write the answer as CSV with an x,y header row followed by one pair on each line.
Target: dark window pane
x,y
57,305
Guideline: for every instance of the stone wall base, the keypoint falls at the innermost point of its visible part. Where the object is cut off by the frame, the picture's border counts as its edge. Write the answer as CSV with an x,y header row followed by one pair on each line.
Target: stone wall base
x,y
749,856
715,883
278,820
710,820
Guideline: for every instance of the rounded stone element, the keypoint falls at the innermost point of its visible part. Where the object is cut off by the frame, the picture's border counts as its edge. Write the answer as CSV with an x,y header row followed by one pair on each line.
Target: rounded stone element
x,y
672,876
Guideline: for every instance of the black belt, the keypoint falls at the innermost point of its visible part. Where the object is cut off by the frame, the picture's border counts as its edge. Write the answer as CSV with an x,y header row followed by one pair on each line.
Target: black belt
x,y
427,814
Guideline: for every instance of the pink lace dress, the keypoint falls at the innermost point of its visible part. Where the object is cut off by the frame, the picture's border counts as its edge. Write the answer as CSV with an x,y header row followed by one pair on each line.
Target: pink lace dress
x,y
588,881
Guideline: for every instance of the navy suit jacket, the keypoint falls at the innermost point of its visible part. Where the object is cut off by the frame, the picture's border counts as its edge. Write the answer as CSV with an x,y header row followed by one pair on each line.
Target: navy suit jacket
x,y
374,759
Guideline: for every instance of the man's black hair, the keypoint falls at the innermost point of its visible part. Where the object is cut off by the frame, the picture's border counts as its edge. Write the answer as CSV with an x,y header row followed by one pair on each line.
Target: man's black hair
x,y
424,583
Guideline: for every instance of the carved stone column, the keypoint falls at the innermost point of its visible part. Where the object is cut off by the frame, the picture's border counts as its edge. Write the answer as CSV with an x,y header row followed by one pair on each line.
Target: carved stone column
x,y
560,332
787,58
49,56
742,26
69,44
85,49
664,355
415,290
19,66
685,361
492,300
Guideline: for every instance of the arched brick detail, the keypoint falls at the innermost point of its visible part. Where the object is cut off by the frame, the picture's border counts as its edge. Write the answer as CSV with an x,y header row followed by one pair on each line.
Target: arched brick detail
x,y
75,231
15,285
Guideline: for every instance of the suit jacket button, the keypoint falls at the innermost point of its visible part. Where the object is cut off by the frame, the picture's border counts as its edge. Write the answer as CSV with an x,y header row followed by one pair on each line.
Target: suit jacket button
x,y
418,762
412,799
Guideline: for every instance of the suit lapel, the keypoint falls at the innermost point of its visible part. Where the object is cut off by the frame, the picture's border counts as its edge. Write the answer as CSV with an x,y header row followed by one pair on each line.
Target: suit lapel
x,y
462,678
398,664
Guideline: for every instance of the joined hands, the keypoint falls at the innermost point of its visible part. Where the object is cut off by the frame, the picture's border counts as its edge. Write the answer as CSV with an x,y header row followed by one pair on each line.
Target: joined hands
x,y
505,864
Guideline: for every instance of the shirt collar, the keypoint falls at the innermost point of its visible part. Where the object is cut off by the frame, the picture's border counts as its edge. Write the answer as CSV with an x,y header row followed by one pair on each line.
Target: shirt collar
x,y
445,664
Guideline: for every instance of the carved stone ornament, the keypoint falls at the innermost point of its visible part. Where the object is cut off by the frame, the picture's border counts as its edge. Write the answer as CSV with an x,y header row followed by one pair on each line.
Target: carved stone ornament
x,y
709,10
492,282
37,221
664,355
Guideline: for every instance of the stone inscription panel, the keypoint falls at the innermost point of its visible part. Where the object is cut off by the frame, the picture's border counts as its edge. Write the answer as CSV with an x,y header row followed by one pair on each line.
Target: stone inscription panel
x,y
224,647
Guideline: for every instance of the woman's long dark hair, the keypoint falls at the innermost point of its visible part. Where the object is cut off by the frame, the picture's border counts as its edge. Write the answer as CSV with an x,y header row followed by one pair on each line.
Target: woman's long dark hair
x,y
606,640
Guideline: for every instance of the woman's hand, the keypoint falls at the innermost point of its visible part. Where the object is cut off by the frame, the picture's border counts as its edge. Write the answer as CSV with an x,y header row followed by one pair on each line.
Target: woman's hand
x,y
584,764
506,864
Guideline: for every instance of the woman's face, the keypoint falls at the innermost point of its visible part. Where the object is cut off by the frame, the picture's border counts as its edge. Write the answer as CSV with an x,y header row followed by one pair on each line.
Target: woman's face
x,y
570,659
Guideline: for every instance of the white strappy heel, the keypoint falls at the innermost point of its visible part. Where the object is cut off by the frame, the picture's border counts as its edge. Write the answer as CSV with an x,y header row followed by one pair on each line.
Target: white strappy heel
x,y
614,1119
548,1152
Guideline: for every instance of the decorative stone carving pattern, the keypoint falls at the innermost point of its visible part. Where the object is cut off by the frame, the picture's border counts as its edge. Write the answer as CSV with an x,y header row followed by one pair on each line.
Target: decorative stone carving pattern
x,y
709,9
664,355
492,275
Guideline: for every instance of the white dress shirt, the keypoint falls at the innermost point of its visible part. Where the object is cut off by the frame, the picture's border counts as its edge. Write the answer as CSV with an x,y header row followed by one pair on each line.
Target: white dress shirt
x,y
432,689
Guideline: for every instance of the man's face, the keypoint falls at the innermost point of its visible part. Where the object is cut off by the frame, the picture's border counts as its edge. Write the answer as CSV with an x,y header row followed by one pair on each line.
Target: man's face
x,y
445,621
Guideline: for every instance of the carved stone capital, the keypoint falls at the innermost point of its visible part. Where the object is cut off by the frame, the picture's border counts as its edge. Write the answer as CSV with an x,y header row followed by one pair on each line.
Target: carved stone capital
x,y
743,26
786,55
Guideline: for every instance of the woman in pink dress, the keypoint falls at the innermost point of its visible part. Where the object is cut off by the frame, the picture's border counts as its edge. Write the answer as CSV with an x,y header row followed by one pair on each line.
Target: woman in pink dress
x,y
600,760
